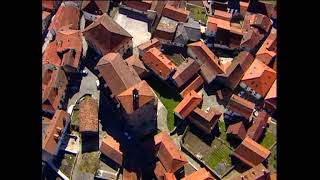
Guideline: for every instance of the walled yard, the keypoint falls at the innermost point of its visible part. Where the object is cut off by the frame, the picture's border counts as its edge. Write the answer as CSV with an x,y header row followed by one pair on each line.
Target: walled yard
x,y
175,58
197,12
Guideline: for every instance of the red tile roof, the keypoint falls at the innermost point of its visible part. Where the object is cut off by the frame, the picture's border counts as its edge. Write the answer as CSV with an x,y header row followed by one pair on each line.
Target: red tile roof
x,y
268,50
238,130
89,115
251,38
135,62
146,95
259,77
169,155
211,63
53,91
214,22
261,21
201,174
256,173
222,15
259,125
175,13
116,73
45,15
169,176
194,85
114,35
159,170
205,120
65,16
250,152
111,148
53,132
95,7
185,71
65,40
158,63
129,175
154,42
241,106
188,104
243,7
271,97
139,5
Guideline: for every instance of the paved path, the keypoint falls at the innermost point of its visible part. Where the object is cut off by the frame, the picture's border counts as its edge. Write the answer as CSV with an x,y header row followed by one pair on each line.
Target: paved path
x,y
88,86
162,117
210,101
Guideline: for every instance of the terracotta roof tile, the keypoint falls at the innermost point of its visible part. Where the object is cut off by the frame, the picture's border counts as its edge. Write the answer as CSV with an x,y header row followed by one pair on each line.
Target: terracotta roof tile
x,y
222,15
65,16
139,5
201,174
271,97
130,175
185,71
154,42
175,13
111,148
259,124
188,104
53,91
116,73
213,23
194,85
45,15
257,172
268,51
211,63
205,120
251,38
241,106
52,134
114,35
95,7
158,63
261,21
89,115
238,130
146,95
250,152
167,25
169,176
169,155
259,77
159,170
135,62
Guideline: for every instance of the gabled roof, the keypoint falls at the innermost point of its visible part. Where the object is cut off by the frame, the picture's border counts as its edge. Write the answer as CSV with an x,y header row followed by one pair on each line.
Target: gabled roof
x,y
45,15
112,32
175,13
52,134
251,153
169,176
259,77
185,71
95,7
251,38
158,62
154,42
213,23
159,170
111,148
261,21
167,25
116,73
222,15
169,155
89,115
202,50
259,124
65,16
194,85
241,106
201,174
237,130
129,175
206,121
188,104
145,94
272,93
257,172
139,5
268,50
135,62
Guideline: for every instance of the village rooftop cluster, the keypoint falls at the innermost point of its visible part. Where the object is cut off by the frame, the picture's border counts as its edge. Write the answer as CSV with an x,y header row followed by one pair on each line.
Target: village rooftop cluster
x,y
159,90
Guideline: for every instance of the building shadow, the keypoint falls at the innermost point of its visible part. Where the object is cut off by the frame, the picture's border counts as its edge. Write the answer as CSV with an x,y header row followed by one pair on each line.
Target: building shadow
x,y
206,138
90,142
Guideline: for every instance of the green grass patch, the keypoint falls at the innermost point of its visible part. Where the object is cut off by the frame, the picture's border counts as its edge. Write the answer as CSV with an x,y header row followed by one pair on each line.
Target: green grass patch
x,y
198,13
67,164
268,140
272,160
168,95
75,119
89,162
222,129
220,155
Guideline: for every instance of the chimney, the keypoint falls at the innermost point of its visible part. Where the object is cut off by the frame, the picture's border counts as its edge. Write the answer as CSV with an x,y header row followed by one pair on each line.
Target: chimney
x,y
56,137
135,94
